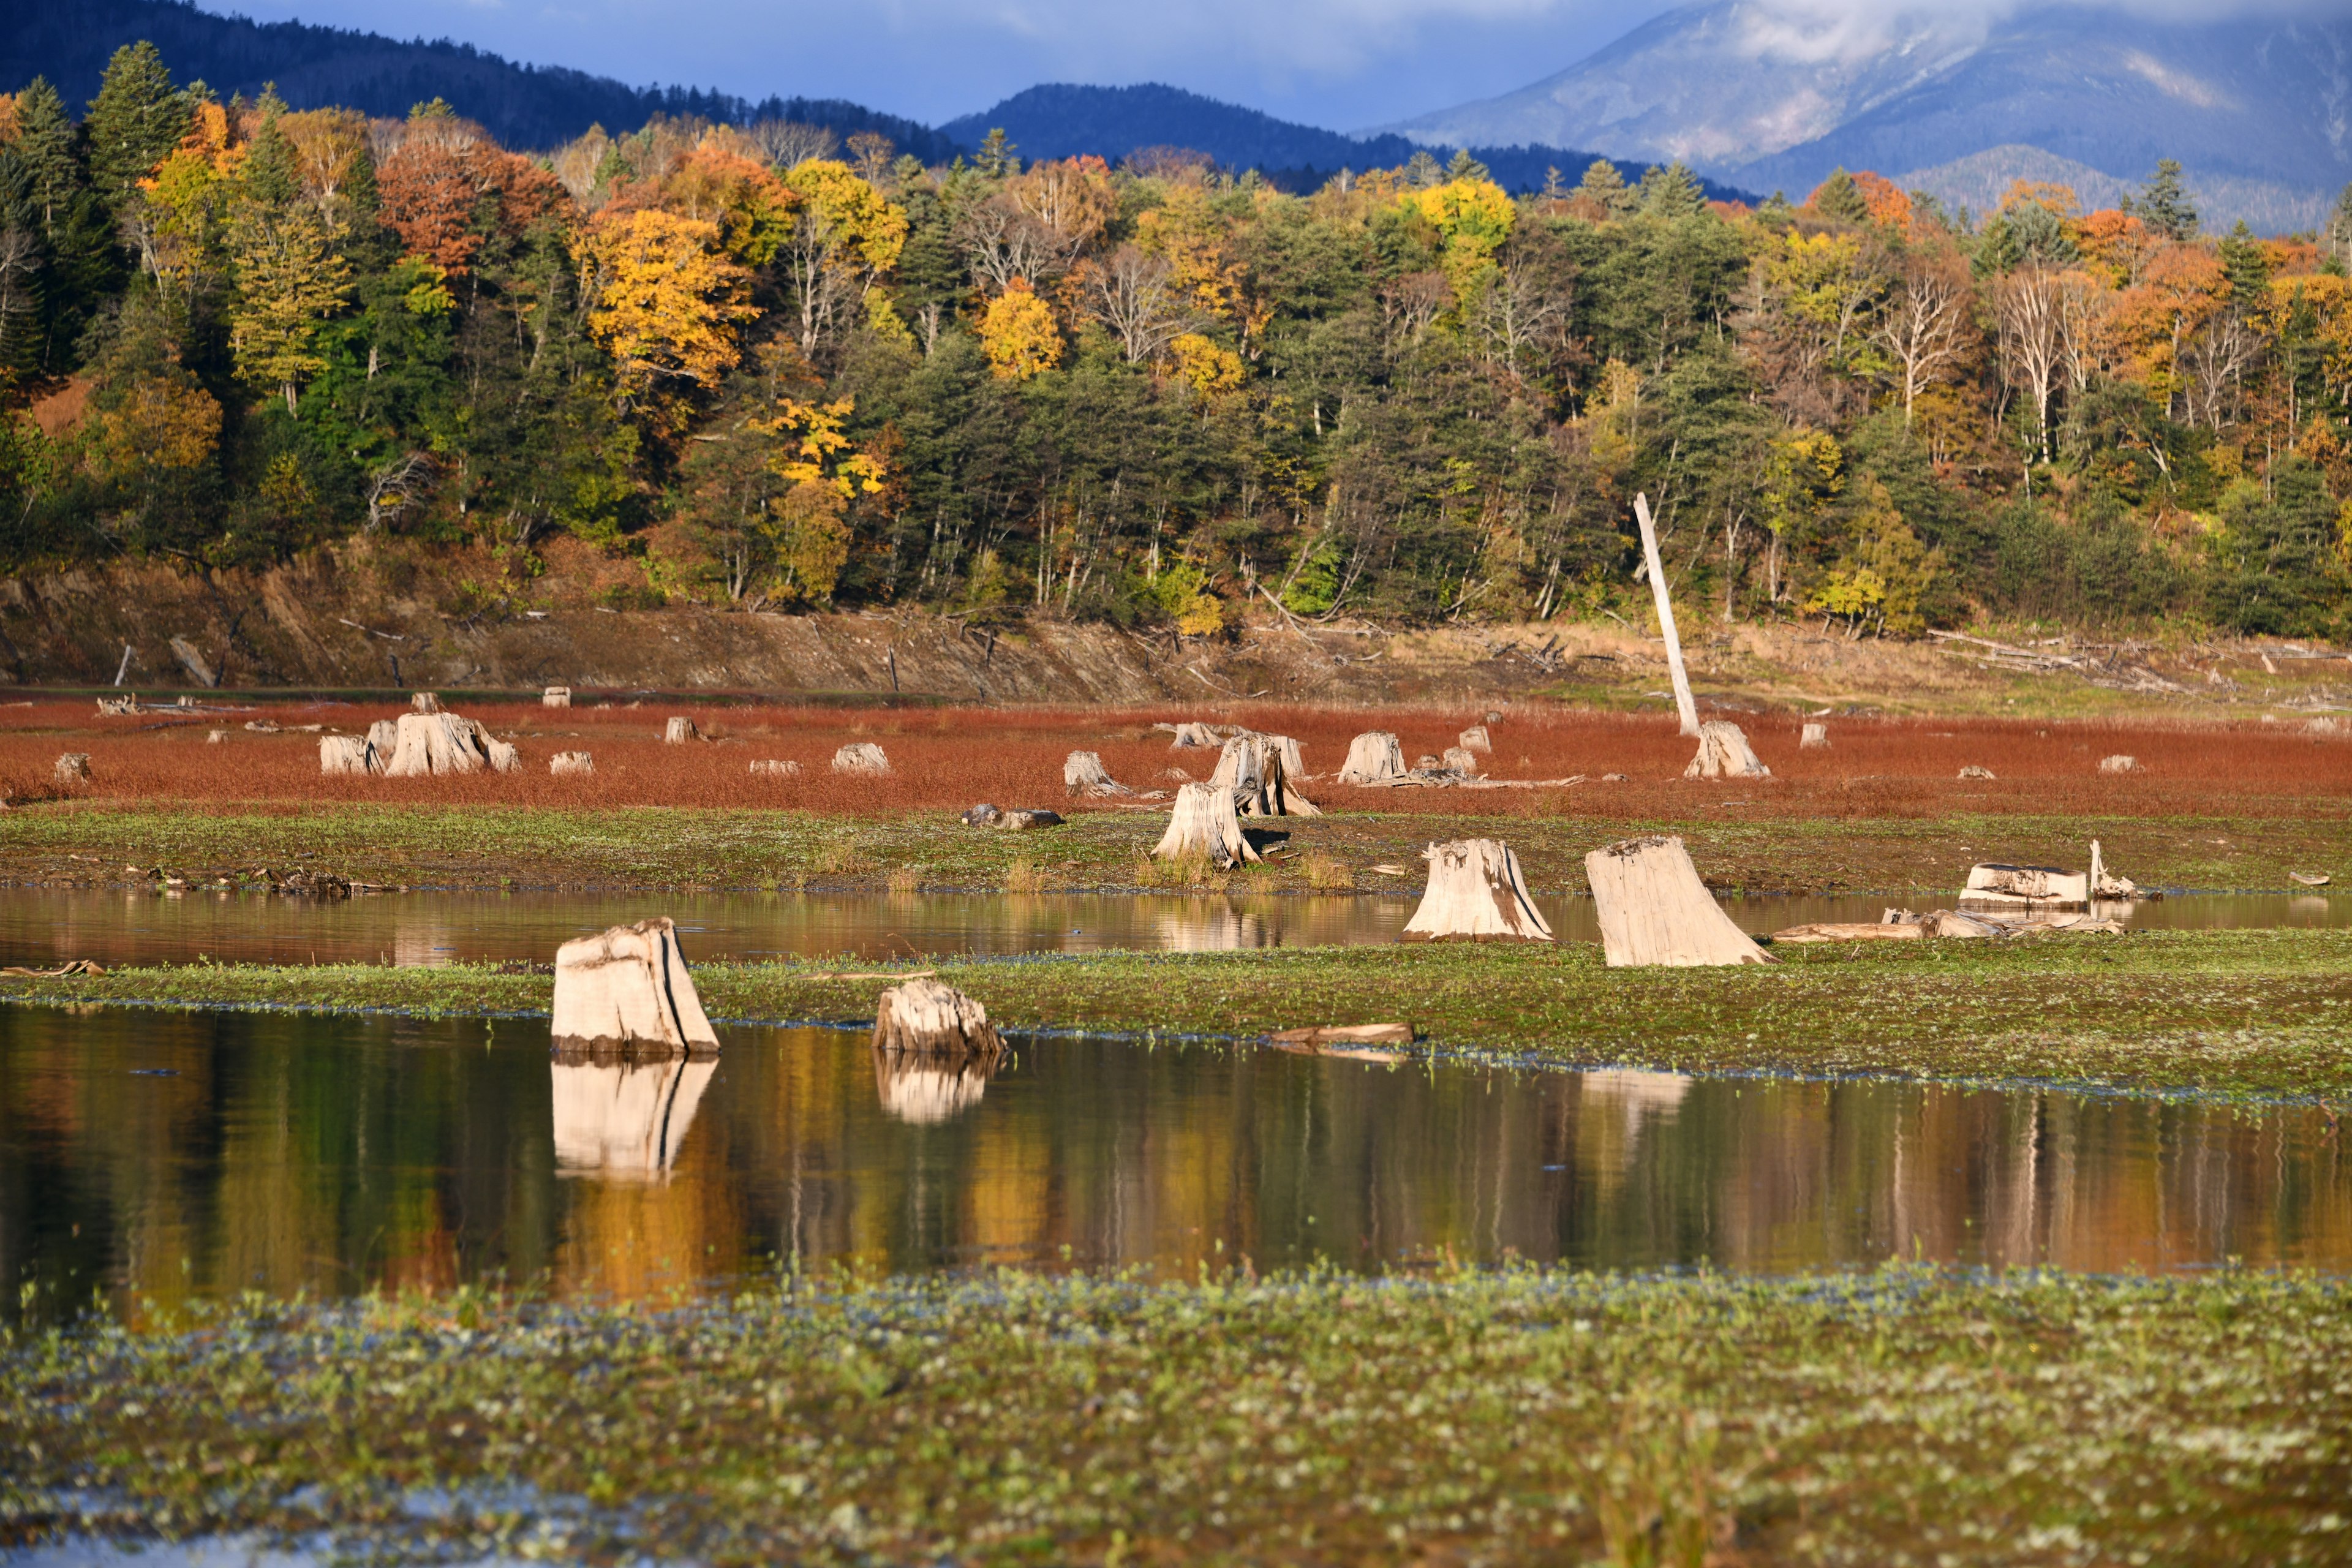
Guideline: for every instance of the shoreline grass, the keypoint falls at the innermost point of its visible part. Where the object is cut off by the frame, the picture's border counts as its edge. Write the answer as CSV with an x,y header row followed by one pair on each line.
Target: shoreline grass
x,y
2247,1014
1521,1414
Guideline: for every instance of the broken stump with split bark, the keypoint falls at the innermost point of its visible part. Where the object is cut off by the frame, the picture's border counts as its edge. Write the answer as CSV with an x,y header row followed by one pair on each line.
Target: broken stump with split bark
x,y
625,992
1723,754
1654,911
72,768
679,730
1476,893
342,754
1205,822
1083,774
441,742
1253,767
556,697
1813,738
1373,759
1476,739
924,1017
570,764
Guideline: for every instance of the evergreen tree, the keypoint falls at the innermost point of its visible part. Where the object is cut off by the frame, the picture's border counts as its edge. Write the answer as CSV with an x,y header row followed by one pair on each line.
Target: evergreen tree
x,y
269,171
2163,204
45,141
995,158
1672,192
1840,197
1466,167
135,121
2248,269
1605,185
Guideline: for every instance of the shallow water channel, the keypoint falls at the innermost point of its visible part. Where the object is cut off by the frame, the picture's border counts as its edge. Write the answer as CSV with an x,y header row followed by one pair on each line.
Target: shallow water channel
x,y
44,927
174,1154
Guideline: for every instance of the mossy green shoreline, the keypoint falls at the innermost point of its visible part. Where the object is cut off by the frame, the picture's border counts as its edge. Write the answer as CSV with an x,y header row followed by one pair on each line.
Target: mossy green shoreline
x,y
2265,1013
1514,1415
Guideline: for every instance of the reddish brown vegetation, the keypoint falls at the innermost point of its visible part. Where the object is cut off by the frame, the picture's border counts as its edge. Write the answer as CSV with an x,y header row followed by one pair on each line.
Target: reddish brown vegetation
x,y
952,757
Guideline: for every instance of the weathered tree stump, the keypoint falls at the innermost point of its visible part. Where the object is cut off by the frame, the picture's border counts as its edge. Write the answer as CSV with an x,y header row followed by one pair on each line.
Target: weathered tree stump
x,y
1251,766
438,742
924,1017
984,815
342,753
1976,771
679,730
384,739
1373,759
1026,819
1654,911
1723,754
570,764
1205,822
1814,738
862,757
1476,739
72,768
1460,760
556,697
775,768
2119,764
626,992
625,1120
1083,773
1208,737
925,1093
1476,893
424,703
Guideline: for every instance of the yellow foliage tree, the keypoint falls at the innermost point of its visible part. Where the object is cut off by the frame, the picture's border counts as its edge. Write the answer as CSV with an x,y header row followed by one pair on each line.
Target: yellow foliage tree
x,y
290,278
845,236
1208,368
1472,219
165,423
813,448
666,297
1018,334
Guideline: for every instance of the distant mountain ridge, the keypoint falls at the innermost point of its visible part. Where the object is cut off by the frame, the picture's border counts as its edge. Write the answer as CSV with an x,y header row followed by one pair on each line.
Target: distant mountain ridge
x,y
2259,111
69,42
1061,119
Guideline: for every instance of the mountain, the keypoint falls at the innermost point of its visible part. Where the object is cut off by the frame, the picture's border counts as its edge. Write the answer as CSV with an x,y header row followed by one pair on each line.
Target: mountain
x,y
69,42
2259,111
1062,121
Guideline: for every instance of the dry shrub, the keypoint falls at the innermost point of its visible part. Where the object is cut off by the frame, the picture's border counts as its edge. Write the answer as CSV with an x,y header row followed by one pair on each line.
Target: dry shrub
x,y
1024,876
947,758
842,856
1327,872
906,879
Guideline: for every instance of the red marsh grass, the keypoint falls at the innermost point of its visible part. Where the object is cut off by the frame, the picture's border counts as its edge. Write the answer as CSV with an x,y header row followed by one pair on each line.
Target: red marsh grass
x,y
943,758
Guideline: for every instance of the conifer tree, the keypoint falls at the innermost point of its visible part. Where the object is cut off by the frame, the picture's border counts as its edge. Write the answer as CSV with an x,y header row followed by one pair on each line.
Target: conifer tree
x,y
1840,197
135,121
2163,204
1672,192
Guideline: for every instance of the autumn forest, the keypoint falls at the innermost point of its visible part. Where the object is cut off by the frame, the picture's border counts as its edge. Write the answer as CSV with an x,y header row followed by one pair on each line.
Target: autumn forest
x,y
768,370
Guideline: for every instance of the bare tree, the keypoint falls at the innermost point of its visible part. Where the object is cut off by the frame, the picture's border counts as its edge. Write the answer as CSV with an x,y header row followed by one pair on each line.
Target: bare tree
x,y
2214,360
1925,328
785,142
396,487
20,257
1410,304
2029,308
1001,243
1129,293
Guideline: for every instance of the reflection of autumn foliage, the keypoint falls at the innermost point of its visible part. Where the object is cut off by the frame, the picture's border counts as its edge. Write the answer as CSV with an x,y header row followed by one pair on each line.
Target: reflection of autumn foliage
x,y
446,186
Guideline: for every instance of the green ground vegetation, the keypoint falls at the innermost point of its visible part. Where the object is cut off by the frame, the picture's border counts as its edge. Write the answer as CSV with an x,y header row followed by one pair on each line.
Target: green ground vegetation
x,y
2247,1012
702,849
1907,1415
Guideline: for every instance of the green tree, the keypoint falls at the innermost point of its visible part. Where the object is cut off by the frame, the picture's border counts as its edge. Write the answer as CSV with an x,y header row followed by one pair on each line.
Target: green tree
x,y
2163,204
289,281
1672,192
135,121
1840,197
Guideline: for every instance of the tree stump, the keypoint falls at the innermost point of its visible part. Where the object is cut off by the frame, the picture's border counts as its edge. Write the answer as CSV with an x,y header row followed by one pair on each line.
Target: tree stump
x,y
1475,894
1205,736
440,742
2119,764
924,1092
679,730
1475,738
556,697
220,737
862,757
72,768
565,764
984,815
773,768
1205,822
384,739
1083,773
1976,771
1461,760
1251,765
1723,754
923,1018
1653,909
626,992
1815,738
340,753
625,1120
424,703
1373,759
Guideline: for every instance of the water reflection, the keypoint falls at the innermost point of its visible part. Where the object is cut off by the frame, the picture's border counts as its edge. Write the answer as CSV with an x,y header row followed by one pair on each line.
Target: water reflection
x,y
925,1091
42,928
334,1155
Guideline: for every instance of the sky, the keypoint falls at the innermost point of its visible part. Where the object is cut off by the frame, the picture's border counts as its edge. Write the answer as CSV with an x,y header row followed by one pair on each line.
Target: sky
x,y
1345,64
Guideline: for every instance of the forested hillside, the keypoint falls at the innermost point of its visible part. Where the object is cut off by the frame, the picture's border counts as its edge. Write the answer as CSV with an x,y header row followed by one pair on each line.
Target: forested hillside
x,y
764,370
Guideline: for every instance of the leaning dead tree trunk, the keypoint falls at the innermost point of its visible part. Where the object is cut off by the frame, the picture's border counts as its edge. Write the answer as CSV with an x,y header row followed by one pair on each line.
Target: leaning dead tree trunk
x,y
862,757
1723,754
1653,909
1476,893
626,992
1373,759
1251,766
1083,773
1204,822
439,742
924,1018
1683,703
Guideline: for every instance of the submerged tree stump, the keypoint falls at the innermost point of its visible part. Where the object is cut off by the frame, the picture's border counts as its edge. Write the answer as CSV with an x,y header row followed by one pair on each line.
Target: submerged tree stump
x,y
1205,822
439,742
679,730
1476,893
342,754
1815,738
1373,759
1251,766
1654,911
625,1120
1723,754
1083,773
626,992
924,1017
570,764
925,1091
862,758
556,697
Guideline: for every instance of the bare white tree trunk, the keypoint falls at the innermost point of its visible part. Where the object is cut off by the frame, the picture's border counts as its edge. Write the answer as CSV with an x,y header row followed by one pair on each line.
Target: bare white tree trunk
x,y
1684,704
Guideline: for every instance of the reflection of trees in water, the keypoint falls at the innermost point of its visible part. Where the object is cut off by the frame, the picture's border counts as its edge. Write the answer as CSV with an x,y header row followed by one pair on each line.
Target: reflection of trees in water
x,y
927,1092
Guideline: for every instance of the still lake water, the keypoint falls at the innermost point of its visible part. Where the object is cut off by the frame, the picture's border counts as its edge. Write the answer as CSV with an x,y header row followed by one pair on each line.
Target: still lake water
x,y
170,1154
43,928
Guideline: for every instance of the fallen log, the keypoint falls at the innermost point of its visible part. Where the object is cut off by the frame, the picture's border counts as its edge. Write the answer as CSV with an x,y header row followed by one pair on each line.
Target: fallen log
x,y
75,966
626,992
1372,758
1347,1035
1724,754
1204,822
1850,930
1475,893
1654,910
1993,882
925,1017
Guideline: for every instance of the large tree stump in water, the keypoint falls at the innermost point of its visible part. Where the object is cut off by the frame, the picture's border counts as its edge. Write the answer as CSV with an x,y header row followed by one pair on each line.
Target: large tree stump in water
x,y
625,1120
1476,893
439,742
1205,822
1723,754
1653,909
925,1019
1372,758
862,758
1083,773
1251,766
626,992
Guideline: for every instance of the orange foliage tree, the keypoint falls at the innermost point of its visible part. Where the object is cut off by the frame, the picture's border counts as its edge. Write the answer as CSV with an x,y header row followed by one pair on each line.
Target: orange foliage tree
x,y
666,297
